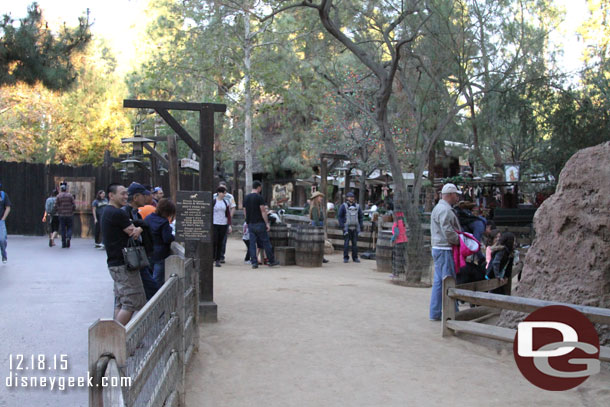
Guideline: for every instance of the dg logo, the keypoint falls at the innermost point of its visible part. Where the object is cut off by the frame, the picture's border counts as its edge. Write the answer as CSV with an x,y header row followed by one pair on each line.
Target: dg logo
x,y
557,348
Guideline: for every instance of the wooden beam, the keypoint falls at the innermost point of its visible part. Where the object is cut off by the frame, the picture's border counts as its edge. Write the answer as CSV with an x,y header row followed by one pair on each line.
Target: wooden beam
x,y
483,285
163,105
207,307
522,304
449,306
502,334
180,131
324,188
479,329
334,156
173,171
157,155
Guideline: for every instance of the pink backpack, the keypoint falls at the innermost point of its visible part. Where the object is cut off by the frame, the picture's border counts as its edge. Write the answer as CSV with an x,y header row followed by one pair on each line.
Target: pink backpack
x,y
469,245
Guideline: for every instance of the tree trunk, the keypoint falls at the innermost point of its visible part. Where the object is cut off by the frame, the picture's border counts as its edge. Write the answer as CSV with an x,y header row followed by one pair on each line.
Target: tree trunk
x,y
248,106
362,189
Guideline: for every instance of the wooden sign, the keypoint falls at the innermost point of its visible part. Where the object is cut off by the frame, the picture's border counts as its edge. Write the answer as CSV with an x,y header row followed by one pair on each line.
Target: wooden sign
x,y
194,216
83,190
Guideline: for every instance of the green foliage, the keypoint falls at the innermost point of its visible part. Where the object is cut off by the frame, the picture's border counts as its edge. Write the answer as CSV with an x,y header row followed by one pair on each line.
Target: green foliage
x,y
31,52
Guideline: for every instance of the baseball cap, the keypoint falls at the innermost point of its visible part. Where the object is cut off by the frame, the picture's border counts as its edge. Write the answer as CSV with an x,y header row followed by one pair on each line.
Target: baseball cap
x,y
157,189
450,189
63,187
350,195
136,188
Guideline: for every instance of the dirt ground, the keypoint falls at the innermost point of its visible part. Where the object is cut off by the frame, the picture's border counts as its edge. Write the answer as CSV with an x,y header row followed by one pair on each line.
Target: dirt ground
x,y
343,335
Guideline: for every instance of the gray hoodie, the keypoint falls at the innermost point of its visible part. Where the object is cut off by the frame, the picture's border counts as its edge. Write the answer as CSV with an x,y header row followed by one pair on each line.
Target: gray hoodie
x,y
443,226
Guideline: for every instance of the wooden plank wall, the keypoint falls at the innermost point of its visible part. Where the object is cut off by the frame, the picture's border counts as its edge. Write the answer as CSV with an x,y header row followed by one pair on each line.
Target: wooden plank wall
x,y
28,186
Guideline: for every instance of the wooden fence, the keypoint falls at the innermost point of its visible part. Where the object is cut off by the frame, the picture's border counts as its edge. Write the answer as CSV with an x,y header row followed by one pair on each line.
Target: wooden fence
x,y
144,363
28,186
470,320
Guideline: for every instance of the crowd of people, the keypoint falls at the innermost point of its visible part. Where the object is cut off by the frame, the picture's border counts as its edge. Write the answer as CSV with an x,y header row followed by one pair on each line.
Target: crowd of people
x,y
453,221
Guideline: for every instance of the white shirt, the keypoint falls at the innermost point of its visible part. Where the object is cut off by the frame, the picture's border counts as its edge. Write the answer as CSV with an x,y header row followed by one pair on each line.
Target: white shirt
x,y
220,217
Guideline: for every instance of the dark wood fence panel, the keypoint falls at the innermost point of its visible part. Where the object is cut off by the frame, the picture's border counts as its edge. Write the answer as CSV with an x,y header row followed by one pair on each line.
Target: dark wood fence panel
x,y
28,186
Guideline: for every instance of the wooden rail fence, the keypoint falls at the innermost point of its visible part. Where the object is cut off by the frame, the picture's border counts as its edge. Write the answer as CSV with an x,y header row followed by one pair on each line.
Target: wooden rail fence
x,y
144,363
475,293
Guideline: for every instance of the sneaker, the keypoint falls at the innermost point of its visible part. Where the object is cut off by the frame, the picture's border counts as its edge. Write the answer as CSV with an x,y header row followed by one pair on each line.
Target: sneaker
x,y
345,260
222,261
50,242
4,260
275,263
255,266
247,262
68,243
217,264
356,260
324,261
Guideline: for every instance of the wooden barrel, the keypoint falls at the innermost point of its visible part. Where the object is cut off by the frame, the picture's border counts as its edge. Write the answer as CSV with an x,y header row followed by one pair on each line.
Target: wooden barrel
x,y
309,246
383,253
292,231
278,235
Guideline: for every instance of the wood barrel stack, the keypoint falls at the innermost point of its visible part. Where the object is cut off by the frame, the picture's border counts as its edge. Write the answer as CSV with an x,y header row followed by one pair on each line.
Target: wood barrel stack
x,y
309,246
292,231
383,253
278,235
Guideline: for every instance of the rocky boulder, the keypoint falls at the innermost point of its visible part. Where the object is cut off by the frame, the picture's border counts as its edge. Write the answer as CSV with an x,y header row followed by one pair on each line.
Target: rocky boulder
x,y
569,260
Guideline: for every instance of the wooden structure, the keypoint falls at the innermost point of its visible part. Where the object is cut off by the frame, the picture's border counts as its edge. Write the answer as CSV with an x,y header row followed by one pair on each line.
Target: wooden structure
x,y
475,293
28,186
238,169
309,246
205,151
145,362
327,166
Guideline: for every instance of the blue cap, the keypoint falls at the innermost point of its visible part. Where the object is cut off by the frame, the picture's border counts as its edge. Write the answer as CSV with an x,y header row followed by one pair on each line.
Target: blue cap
x,y
136,188
157,189
350,195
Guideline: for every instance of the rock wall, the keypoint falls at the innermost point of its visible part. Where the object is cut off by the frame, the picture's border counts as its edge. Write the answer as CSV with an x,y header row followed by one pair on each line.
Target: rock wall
x,y
569,260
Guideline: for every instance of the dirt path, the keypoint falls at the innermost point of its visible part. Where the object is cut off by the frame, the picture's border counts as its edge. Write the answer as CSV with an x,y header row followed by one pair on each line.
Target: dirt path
x,y
342,335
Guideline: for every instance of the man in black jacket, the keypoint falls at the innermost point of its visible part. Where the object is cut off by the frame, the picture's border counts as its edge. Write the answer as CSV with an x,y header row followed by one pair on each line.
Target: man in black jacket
x,y
136,198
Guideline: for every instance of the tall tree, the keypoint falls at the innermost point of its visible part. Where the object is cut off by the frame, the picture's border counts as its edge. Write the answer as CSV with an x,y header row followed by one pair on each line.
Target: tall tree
x,y
31,52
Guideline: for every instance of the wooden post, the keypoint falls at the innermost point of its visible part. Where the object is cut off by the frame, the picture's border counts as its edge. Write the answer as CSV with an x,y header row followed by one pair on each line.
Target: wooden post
x,y
173,170
348,180
175,264
207,308
106,337
323,188
448,306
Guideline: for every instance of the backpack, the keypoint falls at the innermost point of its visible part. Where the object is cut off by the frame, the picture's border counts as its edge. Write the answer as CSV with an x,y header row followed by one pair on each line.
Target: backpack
x,y
465,219
50,206
351,215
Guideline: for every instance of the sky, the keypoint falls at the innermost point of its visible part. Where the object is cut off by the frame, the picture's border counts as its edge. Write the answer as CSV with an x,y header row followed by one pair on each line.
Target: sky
x,y
121,21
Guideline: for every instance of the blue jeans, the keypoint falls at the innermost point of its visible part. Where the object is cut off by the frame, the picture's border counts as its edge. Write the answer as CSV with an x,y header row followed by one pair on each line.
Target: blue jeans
x,y
258,234
159,273
3,237
149,283
65,227
443,267
351,236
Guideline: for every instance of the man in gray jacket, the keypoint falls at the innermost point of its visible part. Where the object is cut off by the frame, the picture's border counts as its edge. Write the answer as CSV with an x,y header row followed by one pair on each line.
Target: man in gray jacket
x,y
443,227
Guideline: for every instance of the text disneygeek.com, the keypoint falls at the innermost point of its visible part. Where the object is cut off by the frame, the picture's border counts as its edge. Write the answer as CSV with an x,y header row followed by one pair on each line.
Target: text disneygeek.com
x,y
21,365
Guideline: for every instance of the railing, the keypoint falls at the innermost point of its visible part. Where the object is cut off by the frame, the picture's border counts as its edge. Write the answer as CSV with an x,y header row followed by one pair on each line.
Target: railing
x,y
144,363
475,293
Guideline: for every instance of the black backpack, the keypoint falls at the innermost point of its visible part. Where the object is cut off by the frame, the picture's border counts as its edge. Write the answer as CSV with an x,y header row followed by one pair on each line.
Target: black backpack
x,y
465,219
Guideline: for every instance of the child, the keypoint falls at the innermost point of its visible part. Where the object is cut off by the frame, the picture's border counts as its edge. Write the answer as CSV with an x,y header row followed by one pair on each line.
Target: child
x,y
246,239
501,265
